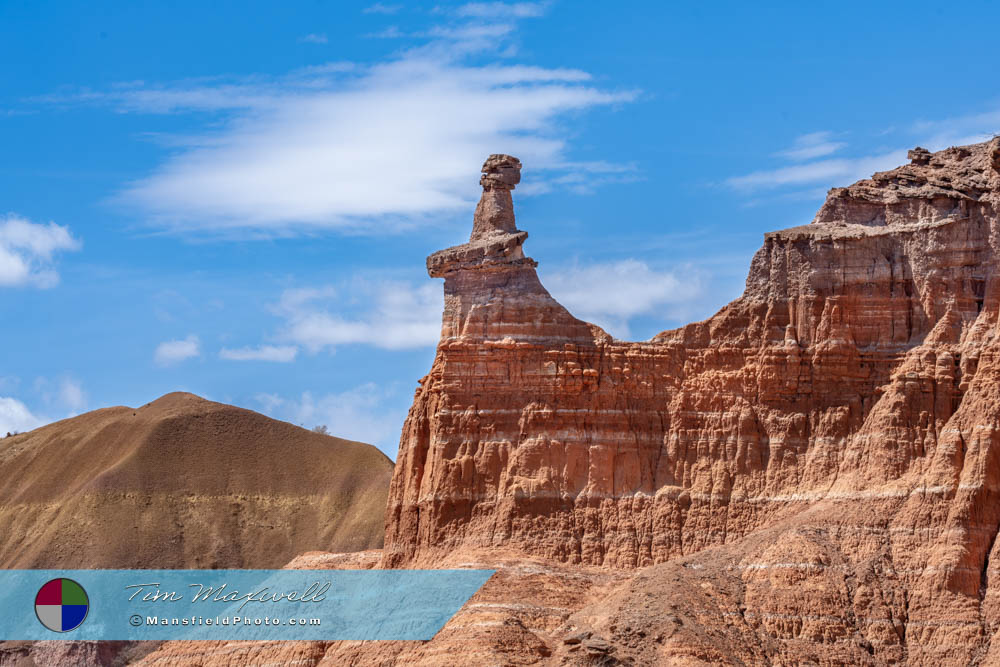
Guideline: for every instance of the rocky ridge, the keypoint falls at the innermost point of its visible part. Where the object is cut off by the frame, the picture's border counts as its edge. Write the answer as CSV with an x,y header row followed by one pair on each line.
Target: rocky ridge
x,y
845,406
811,476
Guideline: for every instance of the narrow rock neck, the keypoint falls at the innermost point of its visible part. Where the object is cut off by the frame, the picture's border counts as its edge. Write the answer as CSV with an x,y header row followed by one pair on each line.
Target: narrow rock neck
x,y
494,214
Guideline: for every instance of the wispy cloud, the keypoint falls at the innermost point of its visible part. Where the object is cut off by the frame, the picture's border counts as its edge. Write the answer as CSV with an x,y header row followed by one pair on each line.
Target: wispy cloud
x,y
612,294
71,394
317,149
584,178
211,94
62,395
492,10
276,353
175,351
395,315
321,160
382,8
389,32
364,413
958,130
811,146
810,176
28,250
313,38
839,171
472,33
52,398
15,417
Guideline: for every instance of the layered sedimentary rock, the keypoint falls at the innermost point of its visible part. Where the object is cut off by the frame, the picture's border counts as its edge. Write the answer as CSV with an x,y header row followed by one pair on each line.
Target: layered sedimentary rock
x,y
812,476
845,407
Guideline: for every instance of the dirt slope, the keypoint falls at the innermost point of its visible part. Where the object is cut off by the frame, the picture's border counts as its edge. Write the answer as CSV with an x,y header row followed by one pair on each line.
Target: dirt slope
x,y
184,483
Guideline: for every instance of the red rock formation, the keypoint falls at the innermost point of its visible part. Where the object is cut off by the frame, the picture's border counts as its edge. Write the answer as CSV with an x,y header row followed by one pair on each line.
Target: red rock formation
x,y
811,476
847,403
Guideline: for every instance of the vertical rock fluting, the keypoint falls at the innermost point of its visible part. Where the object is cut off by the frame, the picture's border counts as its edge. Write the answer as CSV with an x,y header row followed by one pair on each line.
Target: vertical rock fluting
x,y
852,390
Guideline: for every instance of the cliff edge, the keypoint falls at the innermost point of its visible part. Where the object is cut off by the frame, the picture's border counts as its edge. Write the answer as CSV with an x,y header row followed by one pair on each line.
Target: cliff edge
x,y
836,429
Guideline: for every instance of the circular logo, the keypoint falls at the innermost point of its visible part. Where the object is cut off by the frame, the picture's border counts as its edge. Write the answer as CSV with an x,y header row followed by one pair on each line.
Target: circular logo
x,y
61,605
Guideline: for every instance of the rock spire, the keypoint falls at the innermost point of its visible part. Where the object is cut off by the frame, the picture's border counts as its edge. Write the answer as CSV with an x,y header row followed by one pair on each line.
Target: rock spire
x,y
495,212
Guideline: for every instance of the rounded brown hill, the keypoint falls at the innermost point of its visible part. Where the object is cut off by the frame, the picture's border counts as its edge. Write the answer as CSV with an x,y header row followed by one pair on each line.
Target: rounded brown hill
x,y
184,483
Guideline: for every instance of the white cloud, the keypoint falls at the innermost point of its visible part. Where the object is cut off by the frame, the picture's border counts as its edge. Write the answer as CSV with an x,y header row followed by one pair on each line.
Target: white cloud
x,y
174,351
502,9
370,148
16,417
400,315
611,294
933,135
60,396
382,8
473,33
958,130
395,315
811,146
28,249
832,172
71,395
390,32
326,160
314,38
363,413
584,178
277,353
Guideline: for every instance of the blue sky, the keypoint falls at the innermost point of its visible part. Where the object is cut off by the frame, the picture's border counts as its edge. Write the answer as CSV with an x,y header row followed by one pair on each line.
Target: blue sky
x,y
236,198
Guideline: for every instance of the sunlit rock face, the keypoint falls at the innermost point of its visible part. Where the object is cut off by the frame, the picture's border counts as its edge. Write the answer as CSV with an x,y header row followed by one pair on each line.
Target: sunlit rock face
x,y
811,476
854,390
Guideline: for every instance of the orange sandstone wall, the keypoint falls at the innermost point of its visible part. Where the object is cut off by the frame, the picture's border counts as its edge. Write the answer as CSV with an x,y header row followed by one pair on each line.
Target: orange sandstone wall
x,y
841,375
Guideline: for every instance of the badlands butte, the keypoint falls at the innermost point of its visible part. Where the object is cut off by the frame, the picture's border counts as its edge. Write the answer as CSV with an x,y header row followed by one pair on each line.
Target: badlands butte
x,y
184,483
811,476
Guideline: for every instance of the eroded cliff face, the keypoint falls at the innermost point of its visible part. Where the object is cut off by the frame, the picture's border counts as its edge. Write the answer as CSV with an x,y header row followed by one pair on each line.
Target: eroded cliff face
x,y
841,371
847,403
811,476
